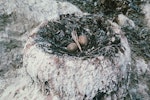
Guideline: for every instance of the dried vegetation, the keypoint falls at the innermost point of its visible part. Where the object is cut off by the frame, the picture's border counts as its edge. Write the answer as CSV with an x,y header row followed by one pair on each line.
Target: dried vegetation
x,y
101,41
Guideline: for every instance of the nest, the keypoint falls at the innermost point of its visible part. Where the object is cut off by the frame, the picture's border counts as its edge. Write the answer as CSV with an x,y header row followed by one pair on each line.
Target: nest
x,y
101,41
93,70
100,67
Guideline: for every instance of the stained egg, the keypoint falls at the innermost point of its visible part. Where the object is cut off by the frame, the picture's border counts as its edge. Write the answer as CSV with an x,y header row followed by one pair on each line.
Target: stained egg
x,y
72,47
83,40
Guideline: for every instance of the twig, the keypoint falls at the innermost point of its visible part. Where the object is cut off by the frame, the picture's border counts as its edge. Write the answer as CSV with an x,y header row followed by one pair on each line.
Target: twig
x,y
75,38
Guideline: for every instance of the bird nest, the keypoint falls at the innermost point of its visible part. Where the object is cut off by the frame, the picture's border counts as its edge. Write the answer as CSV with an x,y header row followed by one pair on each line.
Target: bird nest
x,y
89,69
60,33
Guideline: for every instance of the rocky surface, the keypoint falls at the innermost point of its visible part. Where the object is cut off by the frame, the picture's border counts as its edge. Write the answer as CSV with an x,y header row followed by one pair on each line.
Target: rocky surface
x,y
18,18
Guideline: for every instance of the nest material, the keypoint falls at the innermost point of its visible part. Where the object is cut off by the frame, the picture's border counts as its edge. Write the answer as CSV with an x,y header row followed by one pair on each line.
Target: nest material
x,y
96,28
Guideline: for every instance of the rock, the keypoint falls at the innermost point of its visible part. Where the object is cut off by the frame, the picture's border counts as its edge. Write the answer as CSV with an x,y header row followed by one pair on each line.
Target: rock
x,y
35,10
141,72
146,11
141,66
124,21
68,8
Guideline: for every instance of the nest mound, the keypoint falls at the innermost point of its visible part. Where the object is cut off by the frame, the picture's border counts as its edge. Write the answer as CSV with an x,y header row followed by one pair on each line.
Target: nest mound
x,y
100,68
101,41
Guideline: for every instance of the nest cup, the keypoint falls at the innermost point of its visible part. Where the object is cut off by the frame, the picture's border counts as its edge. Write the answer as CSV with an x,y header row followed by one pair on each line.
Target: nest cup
x,y
98,41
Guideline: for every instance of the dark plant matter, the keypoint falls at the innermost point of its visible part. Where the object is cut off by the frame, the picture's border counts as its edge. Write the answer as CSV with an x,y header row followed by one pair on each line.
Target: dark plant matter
x,y
58,34
139,41
139,38
107,6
